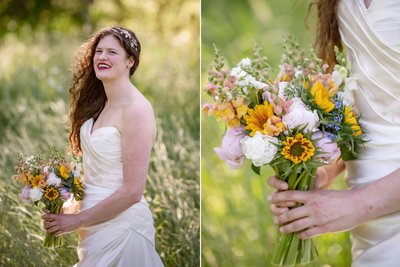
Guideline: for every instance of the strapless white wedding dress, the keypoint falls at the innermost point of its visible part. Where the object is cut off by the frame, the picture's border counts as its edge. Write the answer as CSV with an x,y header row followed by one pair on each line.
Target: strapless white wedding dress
x,y
372,38
127,239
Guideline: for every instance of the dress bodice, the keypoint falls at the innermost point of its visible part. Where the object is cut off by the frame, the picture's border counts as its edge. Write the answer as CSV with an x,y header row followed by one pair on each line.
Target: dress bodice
x,y
102,156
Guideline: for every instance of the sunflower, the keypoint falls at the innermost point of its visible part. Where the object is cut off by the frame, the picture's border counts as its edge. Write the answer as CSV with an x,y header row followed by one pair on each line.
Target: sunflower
x,y
321,97
350,119
262,119
51,193
297,149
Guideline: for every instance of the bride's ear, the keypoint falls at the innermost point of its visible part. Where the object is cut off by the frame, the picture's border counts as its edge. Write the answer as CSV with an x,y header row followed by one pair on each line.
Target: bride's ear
x,y
131,61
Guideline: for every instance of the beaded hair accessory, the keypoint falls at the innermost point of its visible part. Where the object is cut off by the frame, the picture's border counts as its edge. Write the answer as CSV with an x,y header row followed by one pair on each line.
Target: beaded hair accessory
x,y
132,41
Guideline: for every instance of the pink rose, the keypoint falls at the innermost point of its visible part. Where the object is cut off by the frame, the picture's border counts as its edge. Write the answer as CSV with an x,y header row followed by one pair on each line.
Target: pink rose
x,y
329,149
230,150
65,195
299,115
25,193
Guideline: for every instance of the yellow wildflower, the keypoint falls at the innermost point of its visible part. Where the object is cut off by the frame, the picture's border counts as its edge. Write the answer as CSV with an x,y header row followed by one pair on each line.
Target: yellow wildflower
x,y
321,97
64,172
351,119
78,183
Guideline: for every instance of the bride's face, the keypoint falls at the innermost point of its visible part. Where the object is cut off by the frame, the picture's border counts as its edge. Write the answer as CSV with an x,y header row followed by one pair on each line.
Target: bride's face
x,y
110,60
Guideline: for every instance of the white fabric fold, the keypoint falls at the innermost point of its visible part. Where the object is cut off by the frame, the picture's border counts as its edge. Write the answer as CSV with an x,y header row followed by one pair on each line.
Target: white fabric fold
x,y
372,38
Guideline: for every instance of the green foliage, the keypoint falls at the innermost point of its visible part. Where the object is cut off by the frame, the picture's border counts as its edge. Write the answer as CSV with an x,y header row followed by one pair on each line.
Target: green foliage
x,y
237,227
34,79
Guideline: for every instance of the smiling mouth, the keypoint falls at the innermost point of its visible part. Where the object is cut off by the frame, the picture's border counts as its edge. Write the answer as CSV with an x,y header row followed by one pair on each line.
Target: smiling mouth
x,y
103,66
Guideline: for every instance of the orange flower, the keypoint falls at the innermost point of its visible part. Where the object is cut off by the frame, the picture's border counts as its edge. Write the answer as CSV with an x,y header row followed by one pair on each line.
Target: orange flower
x,y
262,119
36,180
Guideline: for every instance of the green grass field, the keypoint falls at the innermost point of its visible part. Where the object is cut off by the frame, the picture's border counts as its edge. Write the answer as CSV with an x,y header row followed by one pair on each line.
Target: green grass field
x,y
34,78
237,228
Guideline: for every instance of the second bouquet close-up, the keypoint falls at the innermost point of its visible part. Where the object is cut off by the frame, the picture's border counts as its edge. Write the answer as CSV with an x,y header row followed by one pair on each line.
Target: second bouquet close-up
x,y
295,121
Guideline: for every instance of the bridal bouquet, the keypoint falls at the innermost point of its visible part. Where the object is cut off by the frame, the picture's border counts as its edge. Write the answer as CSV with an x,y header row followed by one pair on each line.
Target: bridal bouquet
x,y
294,122
51,182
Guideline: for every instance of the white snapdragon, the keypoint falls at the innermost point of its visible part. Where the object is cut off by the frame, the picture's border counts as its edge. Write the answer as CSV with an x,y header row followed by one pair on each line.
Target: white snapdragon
x,y
245,62
339,75
259,148
348,94
299,115
238,72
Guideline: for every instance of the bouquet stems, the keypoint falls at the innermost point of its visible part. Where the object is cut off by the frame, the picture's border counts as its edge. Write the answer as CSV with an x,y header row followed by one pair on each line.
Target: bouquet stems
x,y
51,240
292,250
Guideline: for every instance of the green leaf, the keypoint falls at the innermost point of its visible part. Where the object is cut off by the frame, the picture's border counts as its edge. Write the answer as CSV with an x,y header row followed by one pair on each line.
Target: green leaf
x,y
256,169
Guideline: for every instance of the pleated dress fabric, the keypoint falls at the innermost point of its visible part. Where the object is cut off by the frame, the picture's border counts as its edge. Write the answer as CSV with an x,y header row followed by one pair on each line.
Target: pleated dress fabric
x,y
127,239
372,37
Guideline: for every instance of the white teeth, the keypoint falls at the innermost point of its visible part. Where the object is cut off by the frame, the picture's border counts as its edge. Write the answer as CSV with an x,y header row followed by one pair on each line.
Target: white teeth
x,y
103,66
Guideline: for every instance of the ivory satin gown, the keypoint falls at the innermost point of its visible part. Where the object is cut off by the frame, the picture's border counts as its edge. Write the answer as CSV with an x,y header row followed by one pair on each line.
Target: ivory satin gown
x,y
127,239
372,38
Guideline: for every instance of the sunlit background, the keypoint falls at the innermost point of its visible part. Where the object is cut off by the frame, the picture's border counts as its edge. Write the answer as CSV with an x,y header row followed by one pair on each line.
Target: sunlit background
x,y
37,44
237,228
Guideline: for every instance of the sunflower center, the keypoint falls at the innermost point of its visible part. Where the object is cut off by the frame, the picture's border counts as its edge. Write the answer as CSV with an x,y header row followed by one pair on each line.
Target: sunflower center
x,y
296,149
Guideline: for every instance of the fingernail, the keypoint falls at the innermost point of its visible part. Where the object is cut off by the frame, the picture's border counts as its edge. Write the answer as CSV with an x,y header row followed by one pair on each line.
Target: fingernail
x,y
281,230
269,198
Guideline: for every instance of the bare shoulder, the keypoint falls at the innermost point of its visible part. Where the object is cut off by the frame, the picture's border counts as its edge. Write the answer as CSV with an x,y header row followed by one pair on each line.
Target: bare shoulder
x,y
138,116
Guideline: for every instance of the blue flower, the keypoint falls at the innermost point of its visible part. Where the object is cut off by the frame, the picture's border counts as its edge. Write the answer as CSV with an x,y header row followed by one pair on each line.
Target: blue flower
x,y
330,136
337,128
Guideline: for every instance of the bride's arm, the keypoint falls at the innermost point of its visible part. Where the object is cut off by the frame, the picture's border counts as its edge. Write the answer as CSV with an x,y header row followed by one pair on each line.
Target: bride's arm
x,y
137,132
338,210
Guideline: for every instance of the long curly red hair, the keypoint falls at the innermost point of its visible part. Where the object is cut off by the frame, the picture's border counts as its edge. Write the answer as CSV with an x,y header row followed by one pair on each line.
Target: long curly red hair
x,y
87,92
327,35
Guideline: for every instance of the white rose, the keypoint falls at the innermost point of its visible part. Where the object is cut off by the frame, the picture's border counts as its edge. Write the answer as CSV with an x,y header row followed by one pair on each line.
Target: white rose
x,y
299,115
259,148
35,194
53,179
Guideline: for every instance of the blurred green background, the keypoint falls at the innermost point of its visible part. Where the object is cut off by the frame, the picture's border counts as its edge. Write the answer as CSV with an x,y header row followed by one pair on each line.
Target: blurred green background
x,y
237,228
37,44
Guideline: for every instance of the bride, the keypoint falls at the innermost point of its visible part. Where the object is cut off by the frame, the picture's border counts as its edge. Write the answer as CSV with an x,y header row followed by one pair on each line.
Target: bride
x,y
370,208
113,125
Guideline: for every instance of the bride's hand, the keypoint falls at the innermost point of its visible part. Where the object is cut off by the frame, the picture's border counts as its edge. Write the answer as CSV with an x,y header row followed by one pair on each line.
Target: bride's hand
x,y
60,224
323,180
323,211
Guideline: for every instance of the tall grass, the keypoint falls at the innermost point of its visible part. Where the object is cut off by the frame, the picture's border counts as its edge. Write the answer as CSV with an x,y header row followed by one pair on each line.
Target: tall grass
x,y
34,77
